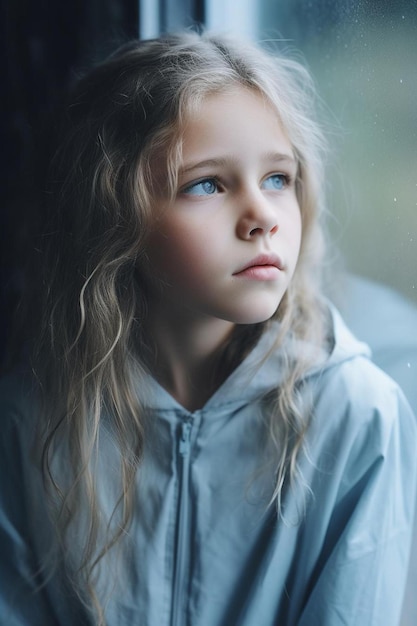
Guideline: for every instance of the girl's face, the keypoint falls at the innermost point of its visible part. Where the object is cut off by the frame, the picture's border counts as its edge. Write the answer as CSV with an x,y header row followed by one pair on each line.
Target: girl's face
x,y
228,244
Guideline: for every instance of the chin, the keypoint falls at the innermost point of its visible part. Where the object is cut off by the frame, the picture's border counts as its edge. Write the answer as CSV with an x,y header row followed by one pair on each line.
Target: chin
x,y
255,316
254,319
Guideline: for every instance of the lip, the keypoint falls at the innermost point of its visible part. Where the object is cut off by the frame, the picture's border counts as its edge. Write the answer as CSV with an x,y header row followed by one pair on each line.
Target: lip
x,y
262,267
272,260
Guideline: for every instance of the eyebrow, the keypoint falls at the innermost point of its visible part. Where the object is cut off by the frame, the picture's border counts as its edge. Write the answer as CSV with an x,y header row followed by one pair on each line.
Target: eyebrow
x,y
269,157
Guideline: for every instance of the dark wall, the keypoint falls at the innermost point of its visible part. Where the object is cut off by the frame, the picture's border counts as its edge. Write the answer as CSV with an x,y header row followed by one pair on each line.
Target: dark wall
x,y
43,44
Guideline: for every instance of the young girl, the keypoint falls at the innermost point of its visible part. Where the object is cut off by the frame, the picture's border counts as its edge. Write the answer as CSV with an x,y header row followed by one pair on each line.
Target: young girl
x,y
203,442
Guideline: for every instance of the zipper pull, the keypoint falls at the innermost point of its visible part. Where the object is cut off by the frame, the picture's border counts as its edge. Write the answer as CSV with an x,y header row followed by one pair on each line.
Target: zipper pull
x,y
185,438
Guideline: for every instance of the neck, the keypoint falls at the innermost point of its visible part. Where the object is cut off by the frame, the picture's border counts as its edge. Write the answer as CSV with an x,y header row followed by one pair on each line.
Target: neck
x,y
186,355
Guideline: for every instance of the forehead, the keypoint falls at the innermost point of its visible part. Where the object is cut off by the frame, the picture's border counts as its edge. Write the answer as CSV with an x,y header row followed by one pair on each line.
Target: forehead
x,y
236,121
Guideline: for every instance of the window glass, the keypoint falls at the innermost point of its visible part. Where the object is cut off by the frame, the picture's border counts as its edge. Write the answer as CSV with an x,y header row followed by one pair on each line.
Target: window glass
x,y
363,56
223,15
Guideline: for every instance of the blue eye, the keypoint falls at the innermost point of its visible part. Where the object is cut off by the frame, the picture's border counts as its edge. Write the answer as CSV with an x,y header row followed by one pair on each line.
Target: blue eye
x,y
206,187
276,182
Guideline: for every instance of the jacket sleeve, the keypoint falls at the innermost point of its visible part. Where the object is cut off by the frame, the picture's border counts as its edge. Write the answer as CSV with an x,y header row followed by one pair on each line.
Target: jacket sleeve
x,y
360,576
24,601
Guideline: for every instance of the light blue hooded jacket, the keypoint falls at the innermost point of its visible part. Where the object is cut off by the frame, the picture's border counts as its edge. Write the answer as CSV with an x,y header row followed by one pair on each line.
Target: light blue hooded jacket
x,y
204,548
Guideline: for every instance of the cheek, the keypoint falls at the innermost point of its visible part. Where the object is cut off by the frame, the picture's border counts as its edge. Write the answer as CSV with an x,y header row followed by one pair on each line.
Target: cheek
x,y
297,241
298,232
179,257
293,229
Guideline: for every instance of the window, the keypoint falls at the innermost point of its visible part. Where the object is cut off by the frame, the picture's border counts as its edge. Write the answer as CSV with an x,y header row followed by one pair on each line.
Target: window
x,y
363,56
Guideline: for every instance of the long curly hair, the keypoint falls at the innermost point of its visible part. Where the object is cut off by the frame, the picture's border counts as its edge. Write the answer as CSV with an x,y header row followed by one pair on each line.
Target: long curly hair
x,y
89,355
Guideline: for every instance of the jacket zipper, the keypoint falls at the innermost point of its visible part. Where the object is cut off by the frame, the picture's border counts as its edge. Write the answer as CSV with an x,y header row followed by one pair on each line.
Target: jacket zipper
x,y
182,529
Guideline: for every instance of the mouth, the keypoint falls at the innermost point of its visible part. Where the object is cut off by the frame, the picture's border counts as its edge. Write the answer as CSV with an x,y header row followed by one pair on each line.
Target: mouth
x,y
262,267
263,260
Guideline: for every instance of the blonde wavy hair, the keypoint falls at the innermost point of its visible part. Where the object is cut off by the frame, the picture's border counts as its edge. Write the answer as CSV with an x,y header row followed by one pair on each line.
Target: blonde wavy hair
x,y
123,115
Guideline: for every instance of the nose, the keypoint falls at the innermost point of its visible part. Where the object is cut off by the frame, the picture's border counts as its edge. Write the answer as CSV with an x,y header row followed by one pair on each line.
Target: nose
x,y
257,216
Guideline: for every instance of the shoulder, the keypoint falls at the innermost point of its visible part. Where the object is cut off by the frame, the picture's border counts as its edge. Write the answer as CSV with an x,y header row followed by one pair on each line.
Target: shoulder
x,y
353,394
359,383
361,445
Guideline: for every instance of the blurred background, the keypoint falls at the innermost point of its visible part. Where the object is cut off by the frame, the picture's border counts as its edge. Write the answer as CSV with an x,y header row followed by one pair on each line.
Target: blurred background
x,y
362,54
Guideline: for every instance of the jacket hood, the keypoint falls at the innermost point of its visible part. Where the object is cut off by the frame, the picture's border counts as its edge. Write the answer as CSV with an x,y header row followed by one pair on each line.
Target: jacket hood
x,y
262,370
345,345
